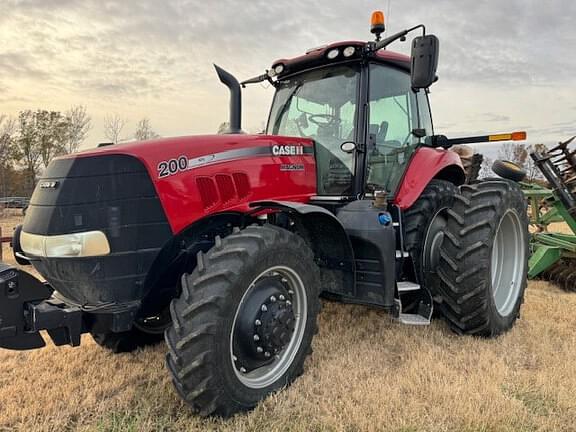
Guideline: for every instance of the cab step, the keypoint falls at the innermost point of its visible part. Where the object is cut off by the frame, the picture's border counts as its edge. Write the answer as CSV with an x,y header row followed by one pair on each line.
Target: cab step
x,y
414,304
405,286
413,319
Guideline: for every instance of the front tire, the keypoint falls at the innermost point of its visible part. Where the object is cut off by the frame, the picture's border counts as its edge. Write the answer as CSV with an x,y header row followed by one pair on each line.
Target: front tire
x,y
245,321
484,258
145,332
127,341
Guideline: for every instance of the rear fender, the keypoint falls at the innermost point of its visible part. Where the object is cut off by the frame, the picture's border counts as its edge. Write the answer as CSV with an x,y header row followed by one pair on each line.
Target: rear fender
x,y
326,237
427,164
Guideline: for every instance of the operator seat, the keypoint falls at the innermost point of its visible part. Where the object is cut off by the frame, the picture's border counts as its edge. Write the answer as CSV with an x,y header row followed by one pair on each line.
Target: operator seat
x,y
382,131
334,176
382,158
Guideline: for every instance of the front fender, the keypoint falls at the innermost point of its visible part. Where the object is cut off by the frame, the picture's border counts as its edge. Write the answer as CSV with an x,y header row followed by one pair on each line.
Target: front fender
x,y
427,164
326,237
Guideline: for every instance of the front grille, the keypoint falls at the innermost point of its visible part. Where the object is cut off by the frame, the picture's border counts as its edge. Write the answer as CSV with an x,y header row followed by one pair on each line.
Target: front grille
x,y
110,193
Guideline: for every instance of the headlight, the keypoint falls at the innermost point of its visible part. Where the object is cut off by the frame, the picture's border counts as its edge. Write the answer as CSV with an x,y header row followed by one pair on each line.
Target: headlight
x,y
86,244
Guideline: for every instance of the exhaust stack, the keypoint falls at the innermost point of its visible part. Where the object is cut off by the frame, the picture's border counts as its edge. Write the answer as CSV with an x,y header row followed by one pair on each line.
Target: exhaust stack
x,y
235,100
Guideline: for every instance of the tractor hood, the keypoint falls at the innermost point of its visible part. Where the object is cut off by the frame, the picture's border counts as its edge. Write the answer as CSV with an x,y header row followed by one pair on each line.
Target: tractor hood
x,y
98,219
200,149
189,173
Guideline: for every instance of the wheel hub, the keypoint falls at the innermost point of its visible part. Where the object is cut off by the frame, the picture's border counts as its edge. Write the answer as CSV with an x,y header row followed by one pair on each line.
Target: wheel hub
x,y
275,324
265,324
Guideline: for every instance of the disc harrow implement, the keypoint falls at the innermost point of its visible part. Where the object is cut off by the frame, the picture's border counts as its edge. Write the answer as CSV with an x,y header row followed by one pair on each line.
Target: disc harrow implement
x,y
554,253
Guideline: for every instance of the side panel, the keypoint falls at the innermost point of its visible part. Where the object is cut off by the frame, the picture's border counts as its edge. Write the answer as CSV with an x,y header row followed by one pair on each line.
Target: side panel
x,y
230,185
425,165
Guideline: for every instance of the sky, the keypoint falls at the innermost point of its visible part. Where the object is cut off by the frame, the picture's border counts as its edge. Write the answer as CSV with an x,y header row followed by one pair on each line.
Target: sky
x,y
504,65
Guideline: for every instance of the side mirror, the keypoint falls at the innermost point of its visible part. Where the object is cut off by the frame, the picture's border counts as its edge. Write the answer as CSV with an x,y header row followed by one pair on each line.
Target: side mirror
x,y
348,147
424,61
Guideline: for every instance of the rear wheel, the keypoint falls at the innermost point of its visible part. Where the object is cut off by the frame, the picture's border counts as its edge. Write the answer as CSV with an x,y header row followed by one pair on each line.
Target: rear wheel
x,y
424,224
484,258
245,321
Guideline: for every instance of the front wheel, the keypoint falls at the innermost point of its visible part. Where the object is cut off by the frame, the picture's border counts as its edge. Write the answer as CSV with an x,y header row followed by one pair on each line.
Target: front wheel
x,y
147,331
484,258
245,321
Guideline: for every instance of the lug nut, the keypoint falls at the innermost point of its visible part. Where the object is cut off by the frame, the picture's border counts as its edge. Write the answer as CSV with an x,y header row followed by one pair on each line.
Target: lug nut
x,y
288,302
256,338
258,322
291,292
259,349
263,308
272,299
284,280
235,358
281,297
266,354
243,369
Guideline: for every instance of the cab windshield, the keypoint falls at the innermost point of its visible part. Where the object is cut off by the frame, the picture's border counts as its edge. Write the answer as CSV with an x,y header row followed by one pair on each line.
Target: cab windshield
x,y
321,105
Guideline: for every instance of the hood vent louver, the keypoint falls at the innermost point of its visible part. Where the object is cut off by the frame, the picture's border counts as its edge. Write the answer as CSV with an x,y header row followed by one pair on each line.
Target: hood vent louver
x,y
223,189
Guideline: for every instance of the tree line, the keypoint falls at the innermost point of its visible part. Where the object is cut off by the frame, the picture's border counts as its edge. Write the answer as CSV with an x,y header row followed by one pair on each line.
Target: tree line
x,y
520,155
29,141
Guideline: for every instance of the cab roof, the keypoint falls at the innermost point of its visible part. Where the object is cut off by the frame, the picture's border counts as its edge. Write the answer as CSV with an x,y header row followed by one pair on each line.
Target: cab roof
x,y
316,57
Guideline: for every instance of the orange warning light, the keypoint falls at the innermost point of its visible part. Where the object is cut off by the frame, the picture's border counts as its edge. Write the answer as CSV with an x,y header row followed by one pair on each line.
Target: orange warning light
x,y
377,23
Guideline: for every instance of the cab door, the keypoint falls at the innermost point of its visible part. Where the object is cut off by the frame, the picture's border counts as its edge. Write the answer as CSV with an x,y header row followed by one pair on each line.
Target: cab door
x,y
394,126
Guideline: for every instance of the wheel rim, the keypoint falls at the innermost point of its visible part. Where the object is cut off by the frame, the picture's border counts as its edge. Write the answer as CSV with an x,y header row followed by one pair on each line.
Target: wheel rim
x,y
507,263
433,241
254,362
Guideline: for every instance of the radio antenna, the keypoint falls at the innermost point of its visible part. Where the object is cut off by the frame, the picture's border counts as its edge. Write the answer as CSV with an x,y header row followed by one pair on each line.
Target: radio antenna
x,y
388,20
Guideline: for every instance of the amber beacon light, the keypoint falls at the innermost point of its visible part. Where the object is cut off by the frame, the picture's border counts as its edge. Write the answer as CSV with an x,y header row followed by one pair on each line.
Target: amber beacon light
x,y
377,24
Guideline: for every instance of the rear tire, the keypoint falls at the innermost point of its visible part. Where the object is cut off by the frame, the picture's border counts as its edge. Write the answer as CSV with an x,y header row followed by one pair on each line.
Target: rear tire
x,y
484,258
428,208
224,355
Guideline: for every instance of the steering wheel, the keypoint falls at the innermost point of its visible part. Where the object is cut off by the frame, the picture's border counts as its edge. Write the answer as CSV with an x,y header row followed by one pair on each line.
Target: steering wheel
x,y
323,119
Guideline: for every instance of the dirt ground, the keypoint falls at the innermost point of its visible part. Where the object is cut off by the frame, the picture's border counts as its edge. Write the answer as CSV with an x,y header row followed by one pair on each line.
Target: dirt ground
x,y
366,373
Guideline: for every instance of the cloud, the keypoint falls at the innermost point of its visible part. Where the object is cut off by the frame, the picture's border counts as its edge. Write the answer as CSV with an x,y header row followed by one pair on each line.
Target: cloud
x,y
496,118
18,65
155,57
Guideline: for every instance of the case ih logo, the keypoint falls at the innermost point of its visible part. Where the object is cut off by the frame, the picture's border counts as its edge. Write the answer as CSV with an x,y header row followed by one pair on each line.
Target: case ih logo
x,y
287,150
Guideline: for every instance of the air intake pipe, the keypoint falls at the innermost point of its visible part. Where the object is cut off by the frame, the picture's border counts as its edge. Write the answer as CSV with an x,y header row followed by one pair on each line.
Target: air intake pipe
x,y
235,100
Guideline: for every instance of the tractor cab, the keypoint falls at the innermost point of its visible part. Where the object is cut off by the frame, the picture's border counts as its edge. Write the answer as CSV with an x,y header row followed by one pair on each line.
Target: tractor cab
x,y
361,110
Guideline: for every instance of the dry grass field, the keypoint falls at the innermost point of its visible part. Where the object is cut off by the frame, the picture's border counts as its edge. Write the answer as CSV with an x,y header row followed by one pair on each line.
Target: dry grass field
x,y
367,373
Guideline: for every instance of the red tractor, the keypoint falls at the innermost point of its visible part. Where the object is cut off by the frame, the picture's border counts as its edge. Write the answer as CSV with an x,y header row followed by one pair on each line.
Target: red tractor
x,y
222,245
